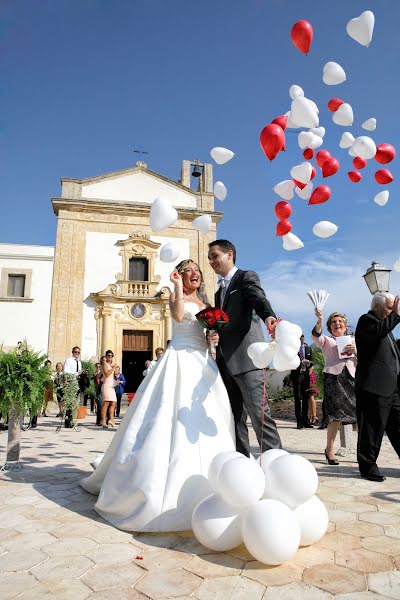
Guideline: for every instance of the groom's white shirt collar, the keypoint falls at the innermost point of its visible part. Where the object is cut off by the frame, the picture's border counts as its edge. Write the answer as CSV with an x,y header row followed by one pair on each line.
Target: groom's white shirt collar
x,y
229,275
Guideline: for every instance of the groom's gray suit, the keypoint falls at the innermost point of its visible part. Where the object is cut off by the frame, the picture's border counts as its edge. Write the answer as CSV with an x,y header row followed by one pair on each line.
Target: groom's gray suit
x,y
245,303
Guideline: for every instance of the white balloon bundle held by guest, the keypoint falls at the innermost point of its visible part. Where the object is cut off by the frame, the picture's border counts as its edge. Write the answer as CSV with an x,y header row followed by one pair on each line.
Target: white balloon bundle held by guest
x,y
155,469
339,374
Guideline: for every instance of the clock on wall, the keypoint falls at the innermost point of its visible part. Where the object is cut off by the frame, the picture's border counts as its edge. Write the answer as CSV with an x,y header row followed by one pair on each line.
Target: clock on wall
x,y
138,310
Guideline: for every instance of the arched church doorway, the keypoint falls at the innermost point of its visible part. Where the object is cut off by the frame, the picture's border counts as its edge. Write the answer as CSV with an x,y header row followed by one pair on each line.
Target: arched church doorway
x,y
137,347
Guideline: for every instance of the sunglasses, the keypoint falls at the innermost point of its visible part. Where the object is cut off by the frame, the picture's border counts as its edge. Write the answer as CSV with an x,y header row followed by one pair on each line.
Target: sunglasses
x,y
112,355
76,352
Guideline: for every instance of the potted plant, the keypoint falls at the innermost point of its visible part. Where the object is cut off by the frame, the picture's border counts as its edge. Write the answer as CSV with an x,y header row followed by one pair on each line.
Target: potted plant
x,y
70,389
23,379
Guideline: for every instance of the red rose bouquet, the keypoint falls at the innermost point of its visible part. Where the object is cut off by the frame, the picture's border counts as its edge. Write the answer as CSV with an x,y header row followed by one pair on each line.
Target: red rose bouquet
x,y
212,319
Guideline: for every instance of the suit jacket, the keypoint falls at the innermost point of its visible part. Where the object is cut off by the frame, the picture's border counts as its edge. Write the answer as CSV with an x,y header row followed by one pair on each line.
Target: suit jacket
x,y
376,367
307,355
245,303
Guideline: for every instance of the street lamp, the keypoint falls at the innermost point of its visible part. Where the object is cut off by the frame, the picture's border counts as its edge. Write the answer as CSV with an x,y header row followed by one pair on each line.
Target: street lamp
x,y
377,278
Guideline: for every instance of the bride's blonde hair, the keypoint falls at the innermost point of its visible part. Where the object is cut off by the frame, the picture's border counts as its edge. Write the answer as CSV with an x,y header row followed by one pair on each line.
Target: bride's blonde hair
x,y
201,292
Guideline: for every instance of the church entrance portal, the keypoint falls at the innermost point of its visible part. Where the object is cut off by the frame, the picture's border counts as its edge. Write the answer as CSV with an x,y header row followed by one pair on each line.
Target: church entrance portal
x,y
137,347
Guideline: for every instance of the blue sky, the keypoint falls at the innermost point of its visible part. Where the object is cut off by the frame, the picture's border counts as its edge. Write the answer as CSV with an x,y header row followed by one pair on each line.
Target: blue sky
x,y
84,82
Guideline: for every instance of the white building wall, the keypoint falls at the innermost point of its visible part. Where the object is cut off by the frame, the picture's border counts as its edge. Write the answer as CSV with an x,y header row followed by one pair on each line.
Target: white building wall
x,y
27,320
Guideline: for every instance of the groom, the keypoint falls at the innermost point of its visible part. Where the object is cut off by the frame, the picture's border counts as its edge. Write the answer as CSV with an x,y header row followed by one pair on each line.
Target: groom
x,y
243,299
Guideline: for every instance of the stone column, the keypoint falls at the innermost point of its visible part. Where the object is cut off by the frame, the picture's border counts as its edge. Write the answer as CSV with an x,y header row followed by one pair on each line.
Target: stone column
x,y
106,331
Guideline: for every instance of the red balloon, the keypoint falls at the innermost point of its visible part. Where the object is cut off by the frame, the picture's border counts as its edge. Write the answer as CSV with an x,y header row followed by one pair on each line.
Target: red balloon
x,y
321,194
330,166
313,172
354,176
359,163
385,153
302,36
272,140
281,121
383,176
322,156
283,210
283,227
300,184
308,153
334,104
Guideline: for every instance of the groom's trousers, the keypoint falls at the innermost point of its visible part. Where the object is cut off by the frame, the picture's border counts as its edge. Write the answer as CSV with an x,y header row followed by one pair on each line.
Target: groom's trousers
x,y
246,392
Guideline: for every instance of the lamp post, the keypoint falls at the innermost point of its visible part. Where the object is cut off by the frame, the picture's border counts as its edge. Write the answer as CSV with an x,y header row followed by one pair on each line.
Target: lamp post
x,y
377,278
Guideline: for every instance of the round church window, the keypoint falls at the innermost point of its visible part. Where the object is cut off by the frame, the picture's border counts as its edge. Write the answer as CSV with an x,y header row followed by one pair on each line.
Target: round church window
x,y
138,310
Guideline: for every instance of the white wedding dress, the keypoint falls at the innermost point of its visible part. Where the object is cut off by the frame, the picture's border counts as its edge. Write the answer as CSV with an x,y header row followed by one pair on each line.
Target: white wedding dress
x,y
155,469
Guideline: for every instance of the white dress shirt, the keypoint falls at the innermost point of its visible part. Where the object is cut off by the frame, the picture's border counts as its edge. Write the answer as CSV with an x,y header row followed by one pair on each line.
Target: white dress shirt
x,y
70,365
224,282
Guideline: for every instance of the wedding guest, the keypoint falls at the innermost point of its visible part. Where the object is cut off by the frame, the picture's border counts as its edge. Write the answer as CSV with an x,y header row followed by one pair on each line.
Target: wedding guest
x,y
98,390
58,383
119,389
377,383
147,364
301,382
108,391
159,353
312,393
339,374
72,365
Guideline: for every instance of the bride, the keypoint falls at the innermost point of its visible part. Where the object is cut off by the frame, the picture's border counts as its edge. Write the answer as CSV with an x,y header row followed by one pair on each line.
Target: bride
x,y
155,469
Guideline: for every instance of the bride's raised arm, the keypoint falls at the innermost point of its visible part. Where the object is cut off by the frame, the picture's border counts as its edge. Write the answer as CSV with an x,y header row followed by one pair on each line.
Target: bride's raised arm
x,y
176,299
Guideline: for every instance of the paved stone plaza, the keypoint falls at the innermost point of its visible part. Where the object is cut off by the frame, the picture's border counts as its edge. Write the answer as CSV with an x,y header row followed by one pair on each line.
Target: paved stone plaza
x,y
54,545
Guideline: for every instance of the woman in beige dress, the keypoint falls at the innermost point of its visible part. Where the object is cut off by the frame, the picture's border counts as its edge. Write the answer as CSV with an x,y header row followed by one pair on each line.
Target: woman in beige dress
x,y
108,391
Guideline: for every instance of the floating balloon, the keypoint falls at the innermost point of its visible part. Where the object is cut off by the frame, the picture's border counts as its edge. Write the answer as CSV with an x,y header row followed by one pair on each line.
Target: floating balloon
x,y
295,90
292,242
299,184
334,104
261,353
313,519
330,166
304,139
396,265
162,214
364,146
221,155
218,461
290,124
361,28
216,524
382,198
169,252
324,229
284,189
302,173
291,479
359,163
385,153
333,74
313,172
316,141
283,210
302,36
202,223
319,131
220,191
303,112
321,194
308,153
344,115
281,121
305,193
347,140
322,156
354,176
272,139
369,124
283,227
383,176
241,481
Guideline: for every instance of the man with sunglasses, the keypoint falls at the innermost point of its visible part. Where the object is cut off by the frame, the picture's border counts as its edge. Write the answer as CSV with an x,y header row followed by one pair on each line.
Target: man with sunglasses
x,y
72,365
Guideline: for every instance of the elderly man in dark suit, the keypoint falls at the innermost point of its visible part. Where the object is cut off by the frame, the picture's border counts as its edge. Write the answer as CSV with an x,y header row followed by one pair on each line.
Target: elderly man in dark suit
x,y
377,387
241,296
301,384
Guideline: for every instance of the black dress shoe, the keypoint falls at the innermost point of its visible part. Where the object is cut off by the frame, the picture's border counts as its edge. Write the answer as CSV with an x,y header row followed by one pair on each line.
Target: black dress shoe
x,y
300,426
330,461
374,477
322,426
308,426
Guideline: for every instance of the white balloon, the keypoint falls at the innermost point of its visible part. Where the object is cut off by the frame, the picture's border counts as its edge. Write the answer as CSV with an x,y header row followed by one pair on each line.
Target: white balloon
x,y
202,223
284,189
396,265
291,479
220,190
313,519
216,524
351,152
162,214
333,74
305,193
169,252
221,155
344,115
291,242
303,113
361,28
217,462
320,131
288,352
369,124
304,139
283,363
271,532
347,140
261,353
302,172
316,142
295,90
289,122
268,456
382,198
285,330
364,147
240,481
324,229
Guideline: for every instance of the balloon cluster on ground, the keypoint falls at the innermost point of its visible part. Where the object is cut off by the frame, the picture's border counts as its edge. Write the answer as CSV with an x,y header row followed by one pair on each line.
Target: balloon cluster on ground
x,y
269,505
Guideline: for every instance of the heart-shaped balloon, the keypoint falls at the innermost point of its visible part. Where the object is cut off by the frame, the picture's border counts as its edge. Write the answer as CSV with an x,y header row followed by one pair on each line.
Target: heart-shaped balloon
x,y
365,147
290,124
316,142
302,172
396,265
295,90
272,140
347,140
281,121
334,104
324,229
162,214
220,191
321,194
303,112
344,115
320,131
283,227
382,198
169,252
361,28
352,152
304,139
333,74
202,223
284,189
369,124
322,156
305,193
292,242
221,155
383,176
354,176
359,163
330,167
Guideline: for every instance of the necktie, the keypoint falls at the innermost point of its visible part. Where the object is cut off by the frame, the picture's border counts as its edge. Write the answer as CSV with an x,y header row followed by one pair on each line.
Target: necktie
x,y
222,283
77,365
392,343
301,352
